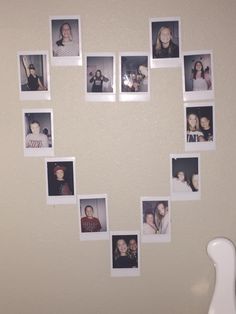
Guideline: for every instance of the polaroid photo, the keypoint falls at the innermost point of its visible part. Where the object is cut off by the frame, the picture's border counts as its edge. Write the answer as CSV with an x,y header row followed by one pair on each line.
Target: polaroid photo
x,y
33,74
197,75
93,217
165,42
199,126
100,77
185,177
125,253
65,40
60,180
38,132
134,78
155,219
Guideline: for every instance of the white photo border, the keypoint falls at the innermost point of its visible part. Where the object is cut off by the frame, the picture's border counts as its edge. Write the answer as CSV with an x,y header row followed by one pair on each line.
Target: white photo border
x,y
66,60
44,151
134,96
187,195
200,146
152,238
60,199
125,272
34,95
104,235
165,62
101,97
198,95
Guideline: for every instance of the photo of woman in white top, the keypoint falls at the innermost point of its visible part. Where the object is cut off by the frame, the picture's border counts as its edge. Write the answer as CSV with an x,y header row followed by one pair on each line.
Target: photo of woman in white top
x,y
162,218
66,45
201,77
149,226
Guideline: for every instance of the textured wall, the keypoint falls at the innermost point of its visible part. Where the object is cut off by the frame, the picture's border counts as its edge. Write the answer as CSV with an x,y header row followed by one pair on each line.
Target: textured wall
x,y
121,149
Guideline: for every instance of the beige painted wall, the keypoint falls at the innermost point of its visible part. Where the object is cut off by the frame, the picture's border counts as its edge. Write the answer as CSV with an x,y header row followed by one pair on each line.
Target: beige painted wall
x,y
121,149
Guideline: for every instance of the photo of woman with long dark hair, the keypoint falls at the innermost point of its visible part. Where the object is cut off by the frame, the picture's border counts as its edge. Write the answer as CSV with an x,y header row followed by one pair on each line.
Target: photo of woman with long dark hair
x,y
165,42
201,77
122,255
197,75
66,38
162,217
100,79
199,126
97,81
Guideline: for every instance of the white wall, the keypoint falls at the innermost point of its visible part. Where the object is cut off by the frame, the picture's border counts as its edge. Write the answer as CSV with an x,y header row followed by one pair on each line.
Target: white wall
x,y
121,149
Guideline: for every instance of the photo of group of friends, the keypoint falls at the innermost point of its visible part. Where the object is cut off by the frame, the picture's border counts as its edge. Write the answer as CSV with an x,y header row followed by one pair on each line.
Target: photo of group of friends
x,y
199,126
134,77
125,253
156,222
134,85
185,176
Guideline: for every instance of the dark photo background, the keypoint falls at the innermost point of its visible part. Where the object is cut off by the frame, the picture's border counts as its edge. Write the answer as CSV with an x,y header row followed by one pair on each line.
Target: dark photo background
x,y
173,25
68,175
189,62
39,62
188,165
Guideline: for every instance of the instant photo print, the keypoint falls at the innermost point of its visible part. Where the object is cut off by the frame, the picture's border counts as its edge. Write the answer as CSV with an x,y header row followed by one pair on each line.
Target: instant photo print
x,y
38,135
65,35
33,74
60,180
199,126
155,219
125,253
185,177
165,42
100,77
197,75
93,217
134,77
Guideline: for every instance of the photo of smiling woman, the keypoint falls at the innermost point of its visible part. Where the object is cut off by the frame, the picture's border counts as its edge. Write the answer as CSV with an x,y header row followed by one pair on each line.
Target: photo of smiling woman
x,y
165,42
164,46
122,255
155,219
65,46
185,172
199,126
125,253
198,75
65,40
